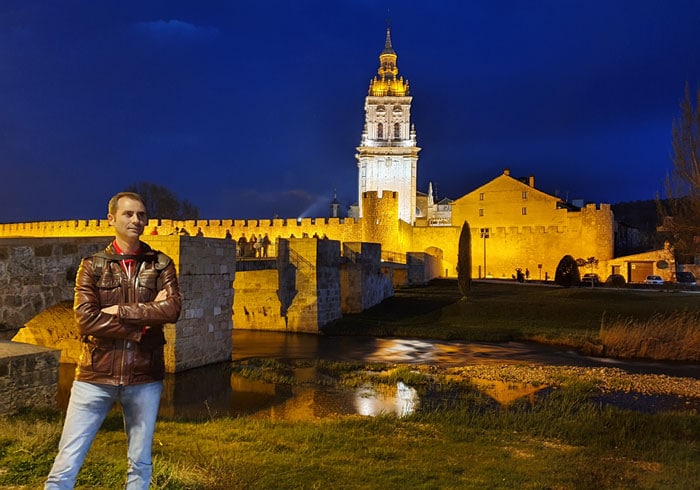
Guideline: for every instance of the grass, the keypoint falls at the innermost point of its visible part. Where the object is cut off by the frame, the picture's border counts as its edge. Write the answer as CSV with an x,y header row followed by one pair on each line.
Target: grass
x,y
562,441
504,311
661,337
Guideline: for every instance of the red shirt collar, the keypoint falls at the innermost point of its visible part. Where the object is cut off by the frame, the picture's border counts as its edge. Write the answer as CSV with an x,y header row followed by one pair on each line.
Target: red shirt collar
x,y
119,250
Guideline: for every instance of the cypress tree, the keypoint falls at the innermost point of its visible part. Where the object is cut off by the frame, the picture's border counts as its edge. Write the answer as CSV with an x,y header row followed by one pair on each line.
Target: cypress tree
x,y
464,260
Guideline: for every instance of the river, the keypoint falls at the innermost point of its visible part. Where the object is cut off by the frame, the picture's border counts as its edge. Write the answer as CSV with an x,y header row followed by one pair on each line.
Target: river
x,y
213,391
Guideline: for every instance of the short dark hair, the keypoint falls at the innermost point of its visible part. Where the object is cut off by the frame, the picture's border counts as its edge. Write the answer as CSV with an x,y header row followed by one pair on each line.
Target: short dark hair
x,y
112,206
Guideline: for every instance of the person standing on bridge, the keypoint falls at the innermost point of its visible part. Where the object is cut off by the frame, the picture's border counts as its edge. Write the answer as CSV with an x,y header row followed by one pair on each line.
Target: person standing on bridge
x,y
123,296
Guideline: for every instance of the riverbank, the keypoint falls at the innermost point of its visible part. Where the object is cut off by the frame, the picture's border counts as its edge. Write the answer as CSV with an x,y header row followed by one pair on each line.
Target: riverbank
x,y
604,379
501,311
561,436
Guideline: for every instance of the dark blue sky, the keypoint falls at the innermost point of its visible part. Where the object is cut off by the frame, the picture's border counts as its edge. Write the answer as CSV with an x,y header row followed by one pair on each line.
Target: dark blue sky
x,y
250,109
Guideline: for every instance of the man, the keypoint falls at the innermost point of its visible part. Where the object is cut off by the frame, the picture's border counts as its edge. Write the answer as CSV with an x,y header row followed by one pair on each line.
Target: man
x,y
123,296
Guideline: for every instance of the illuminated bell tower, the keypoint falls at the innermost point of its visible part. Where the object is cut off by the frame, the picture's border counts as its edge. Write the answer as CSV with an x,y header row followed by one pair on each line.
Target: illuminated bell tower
x,y
387,158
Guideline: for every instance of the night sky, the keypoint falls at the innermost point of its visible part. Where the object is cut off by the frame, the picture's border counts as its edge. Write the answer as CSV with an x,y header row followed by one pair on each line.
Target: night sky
x,y
251,109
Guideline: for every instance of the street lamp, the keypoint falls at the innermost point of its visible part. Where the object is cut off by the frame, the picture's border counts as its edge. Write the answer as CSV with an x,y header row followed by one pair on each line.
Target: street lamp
x,y
484,234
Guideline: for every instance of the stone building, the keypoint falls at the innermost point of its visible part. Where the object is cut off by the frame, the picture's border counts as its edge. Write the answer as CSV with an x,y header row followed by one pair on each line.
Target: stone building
x,y
516,226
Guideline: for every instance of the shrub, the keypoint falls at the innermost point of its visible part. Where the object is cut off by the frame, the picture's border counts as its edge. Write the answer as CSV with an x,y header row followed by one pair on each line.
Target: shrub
x,y
567,274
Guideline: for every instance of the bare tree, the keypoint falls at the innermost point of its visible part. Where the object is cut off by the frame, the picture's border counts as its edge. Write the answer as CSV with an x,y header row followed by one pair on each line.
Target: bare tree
x,y
680,212
162,203
464,260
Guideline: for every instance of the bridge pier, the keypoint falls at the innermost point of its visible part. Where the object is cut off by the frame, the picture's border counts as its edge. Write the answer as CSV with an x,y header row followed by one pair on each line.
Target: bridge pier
x,y
28,376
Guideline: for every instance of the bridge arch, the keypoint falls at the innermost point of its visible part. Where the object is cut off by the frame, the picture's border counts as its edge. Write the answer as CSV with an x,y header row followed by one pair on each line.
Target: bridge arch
x,y
38,273
37,279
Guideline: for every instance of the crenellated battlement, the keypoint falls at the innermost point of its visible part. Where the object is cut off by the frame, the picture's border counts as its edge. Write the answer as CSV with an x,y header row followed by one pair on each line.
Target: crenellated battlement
x,y
539,237
215,228
384,207
368,196
345,228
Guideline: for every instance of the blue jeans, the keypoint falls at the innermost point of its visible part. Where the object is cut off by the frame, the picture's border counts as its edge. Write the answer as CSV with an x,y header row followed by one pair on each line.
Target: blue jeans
x,y
89,405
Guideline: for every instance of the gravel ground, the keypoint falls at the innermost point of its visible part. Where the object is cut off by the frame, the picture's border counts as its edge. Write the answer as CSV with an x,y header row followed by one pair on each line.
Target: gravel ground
x,y
606,378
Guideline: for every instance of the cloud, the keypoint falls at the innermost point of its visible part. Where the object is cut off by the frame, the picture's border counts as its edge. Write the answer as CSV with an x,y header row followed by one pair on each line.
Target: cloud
x,y
175,30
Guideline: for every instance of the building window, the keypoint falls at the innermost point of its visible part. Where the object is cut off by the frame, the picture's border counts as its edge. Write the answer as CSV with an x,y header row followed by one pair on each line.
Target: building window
x,y
524,194
481,212
380,131
481,196
397,131
523,211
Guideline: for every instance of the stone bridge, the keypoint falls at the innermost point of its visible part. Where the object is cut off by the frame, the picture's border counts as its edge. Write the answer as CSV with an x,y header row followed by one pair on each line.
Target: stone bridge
x,y
307,285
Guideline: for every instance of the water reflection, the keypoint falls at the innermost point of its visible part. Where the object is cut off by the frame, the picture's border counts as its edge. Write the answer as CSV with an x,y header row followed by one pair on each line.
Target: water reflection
x,y
278,345
399,400
506,393
214,391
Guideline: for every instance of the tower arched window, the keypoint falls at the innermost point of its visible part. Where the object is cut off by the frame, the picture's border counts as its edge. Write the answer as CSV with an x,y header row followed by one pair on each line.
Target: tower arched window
x,y
380,131
397,131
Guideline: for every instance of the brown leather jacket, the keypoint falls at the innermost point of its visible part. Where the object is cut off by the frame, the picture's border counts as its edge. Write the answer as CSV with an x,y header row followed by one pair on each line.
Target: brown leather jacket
x,y
120,350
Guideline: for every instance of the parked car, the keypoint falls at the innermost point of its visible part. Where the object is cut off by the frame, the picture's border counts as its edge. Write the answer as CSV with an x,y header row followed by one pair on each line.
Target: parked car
x,y
615,280
685,279
654,280
590,279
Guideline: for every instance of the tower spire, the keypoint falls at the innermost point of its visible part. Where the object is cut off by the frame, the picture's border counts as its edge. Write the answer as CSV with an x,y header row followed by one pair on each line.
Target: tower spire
x,y
388,48
387,81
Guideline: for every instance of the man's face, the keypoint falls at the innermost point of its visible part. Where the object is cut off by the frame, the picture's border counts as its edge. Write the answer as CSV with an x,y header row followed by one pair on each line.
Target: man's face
x,y
129,219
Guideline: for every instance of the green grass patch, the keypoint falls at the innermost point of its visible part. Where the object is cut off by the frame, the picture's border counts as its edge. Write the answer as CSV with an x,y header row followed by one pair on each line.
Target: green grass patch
x,y
460,439
562,441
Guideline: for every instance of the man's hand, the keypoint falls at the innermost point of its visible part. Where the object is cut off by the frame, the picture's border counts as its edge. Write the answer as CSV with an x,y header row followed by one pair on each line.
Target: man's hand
x,y
111,310
162,295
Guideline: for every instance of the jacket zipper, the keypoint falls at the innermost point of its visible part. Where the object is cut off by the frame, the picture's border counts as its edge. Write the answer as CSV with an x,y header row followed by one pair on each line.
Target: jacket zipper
x,y
130,295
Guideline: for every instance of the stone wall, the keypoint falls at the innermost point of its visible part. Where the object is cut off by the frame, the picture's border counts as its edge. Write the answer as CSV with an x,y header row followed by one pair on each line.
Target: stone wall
x,y
380,225
309,287
314,265
203,333
421,268
527,228
257,304
28,376
36,274
362,283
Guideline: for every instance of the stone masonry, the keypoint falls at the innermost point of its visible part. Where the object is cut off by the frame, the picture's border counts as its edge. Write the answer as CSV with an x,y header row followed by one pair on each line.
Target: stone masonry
x,y
37,274
28,376
301,294
203,334
362,283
